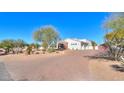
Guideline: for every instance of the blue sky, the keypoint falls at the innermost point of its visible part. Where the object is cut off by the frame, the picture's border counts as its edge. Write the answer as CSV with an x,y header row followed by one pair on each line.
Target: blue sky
x,y
69,25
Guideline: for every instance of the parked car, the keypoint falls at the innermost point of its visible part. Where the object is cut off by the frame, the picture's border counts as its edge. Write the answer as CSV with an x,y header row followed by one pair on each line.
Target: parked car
x,y
2,51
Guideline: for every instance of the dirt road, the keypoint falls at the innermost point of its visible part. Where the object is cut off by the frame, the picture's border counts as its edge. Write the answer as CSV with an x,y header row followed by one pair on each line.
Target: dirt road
x,y
73,65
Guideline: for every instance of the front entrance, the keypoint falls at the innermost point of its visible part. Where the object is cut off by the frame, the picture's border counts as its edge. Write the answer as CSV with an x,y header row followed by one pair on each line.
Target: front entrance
x,y
62,46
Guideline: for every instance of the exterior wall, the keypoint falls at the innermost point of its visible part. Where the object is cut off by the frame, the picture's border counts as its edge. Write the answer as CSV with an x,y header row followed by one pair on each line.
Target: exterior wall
x,y
90,48
74,44
87,48
97,48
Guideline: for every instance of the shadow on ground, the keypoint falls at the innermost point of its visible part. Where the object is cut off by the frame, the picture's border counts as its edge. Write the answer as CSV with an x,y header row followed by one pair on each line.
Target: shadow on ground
x,y
99,57
118,68
115,67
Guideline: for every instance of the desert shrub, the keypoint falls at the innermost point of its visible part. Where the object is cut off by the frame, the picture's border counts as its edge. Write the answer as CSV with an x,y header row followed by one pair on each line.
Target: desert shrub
x,y
44,51
29,50
50,50
114,37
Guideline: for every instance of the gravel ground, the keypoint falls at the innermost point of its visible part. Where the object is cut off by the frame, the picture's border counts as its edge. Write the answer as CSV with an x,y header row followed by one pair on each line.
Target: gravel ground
x,y
4,75
68,66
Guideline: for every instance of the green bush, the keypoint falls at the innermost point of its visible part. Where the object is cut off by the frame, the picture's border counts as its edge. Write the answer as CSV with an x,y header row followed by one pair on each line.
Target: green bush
x,y
50,50
29,50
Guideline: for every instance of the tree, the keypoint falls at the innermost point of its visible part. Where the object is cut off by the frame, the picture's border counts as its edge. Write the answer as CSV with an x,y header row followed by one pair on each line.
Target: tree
x,y
84,44
114,37
35,45
19,45
44,45
12,45
47,35
93,44
7,45
29,50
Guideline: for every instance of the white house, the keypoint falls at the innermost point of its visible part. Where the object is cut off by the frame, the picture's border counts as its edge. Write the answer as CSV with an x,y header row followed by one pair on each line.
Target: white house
x,y
73,44
79,44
